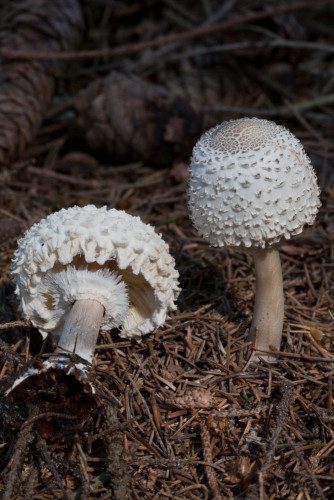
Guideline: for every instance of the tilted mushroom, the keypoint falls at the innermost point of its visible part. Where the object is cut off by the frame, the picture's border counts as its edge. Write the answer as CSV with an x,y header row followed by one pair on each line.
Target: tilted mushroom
x,y
82,270
252,186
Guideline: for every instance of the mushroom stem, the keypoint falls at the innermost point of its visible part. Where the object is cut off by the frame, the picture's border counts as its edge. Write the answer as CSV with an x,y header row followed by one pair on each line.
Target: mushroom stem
x,y
267,324
81,328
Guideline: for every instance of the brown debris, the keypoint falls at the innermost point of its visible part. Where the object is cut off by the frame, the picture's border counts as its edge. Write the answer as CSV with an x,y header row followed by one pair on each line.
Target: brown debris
x,y
183,414
64,401
9,231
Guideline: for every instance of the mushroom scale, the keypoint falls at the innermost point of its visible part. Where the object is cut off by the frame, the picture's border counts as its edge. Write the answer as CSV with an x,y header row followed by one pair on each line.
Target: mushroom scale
x,y
251,184
90,239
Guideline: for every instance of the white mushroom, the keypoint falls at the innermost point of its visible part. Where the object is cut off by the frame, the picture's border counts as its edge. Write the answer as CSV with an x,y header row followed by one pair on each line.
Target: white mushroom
x,y
251,186
82,270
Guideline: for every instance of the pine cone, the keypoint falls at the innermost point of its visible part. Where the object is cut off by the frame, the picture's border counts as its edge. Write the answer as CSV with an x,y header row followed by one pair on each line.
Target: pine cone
x,y
134,119
27,86
192,398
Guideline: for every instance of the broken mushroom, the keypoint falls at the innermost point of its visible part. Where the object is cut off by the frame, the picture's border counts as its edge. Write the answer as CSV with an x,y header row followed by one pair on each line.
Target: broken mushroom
x,y
252,186
85,270
82,270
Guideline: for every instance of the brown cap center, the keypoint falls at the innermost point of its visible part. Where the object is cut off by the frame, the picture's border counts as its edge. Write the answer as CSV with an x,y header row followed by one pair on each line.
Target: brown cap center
x,y
241,136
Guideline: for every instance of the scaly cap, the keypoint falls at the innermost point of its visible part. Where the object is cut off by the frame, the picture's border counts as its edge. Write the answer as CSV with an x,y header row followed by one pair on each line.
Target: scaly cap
x,y
251,184
90,239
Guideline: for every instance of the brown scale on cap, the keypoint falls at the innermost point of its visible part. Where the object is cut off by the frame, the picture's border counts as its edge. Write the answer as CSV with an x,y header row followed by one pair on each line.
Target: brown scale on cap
x,y
239,136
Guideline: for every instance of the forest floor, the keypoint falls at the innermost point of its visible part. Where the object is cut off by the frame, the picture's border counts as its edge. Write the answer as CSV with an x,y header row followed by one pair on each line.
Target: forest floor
x,y
185,413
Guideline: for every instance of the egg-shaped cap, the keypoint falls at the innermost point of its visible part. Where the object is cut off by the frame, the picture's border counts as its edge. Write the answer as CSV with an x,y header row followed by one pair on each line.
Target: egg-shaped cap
x,y
251,184
92,239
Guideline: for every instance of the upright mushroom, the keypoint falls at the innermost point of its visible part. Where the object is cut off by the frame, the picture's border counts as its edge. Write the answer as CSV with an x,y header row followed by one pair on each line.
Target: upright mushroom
x,y
82,270
252,186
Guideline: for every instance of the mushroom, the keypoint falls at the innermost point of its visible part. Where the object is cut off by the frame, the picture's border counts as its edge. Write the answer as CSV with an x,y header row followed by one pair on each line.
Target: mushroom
x,y
82,270
251,186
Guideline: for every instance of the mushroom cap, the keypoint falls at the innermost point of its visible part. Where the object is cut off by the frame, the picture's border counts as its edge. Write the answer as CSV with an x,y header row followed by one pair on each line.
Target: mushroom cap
x,y
92,239
251,184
